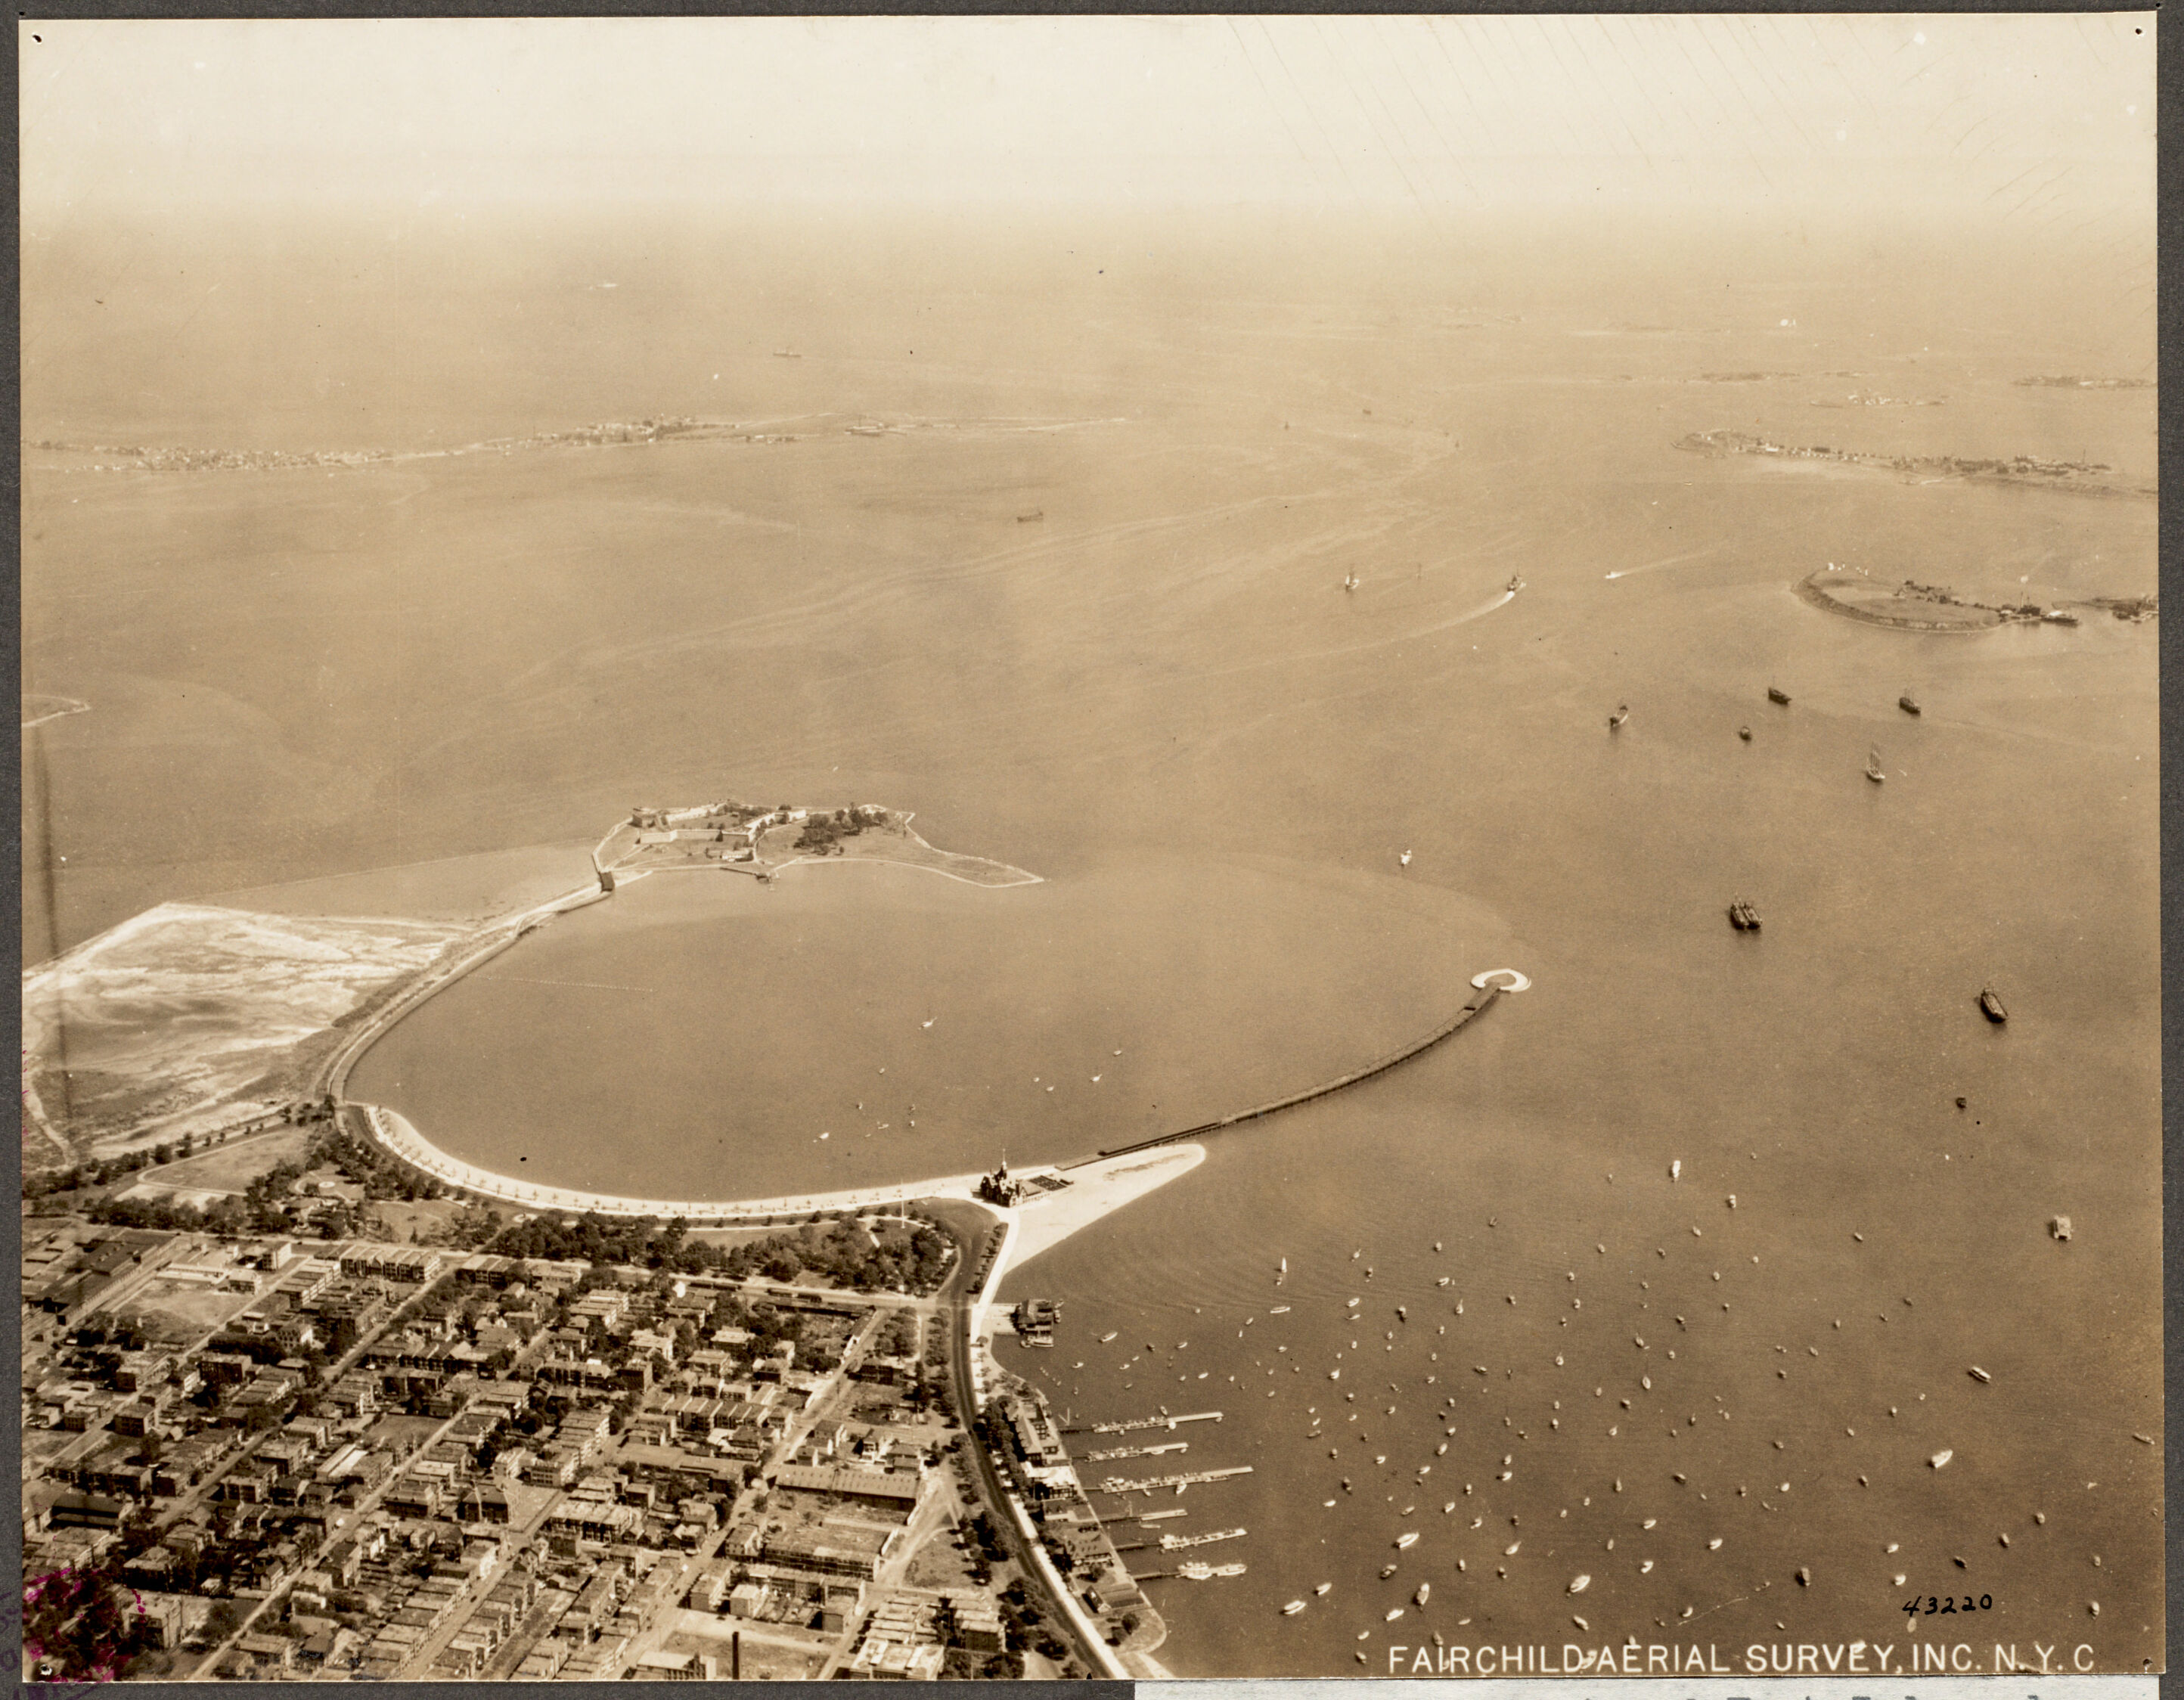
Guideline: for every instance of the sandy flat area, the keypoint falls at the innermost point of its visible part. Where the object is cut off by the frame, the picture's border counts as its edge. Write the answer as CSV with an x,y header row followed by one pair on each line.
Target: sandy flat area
x,y
1096,1190
188,1015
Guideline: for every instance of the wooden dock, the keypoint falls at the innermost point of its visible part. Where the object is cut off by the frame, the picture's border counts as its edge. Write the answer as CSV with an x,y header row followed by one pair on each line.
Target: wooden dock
x,y
1130,1425
1153,1484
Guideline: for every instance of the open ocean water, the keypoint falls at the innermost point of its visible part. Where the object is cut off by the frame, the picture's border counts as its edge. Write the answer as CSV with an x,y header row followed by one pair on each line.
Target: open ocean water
x,y
1157,696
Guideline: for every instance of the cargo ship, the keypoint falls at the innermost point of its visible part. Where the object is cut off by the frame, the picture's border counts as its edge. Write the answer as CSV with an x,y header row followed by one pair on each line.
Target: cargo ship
x,y
1776,694
1907,704
1990,1006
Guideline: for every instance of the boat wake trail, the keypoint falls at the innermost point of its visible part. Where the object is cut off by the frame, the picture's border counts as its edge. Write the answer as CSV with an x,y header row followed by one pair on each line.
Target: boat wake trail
x,y
1511,981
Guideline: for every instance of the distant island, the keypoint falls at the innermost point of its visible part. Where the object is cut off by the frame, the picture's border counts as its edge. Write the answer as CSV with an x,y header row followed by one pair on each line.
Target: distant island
x,y
749,838
2081,477
2068,382
1867,398
1911,606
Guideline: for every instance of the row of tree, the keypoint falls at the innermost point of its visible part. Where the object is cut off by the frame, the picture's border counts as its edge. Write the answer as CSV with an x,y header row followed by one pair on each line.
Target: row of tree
x,y
906,1257
78,1177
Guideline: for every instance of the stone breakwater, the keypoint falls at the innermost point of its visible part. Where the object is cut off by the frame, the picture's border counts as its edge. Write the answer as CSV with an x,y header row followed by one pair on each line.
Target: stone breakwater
x,y
1488,986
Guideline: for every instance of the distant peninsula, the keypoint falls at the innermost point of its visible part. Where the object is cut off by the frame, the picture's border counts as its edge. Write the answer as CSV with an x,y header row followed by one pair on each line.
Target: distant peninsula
x,y
752,838
2080,477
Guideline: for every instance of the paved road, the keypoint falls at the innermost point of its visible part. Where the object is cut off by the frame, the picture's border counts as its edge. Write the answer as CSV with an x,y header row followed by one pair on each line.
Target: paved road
x,y
990,1484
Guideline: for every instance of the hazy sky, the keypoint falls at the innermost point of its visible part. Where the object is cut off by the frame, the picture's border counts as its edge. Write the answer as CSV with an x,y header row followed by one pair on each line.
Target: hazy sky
x,y
2046,116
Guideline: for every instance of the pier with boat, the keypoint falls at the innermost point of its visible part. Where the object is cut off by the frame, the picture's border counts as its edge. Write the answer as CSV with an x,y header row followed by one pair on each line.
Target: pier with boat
x,y
1130,1425
1176,1543
1106,1453
1181,1479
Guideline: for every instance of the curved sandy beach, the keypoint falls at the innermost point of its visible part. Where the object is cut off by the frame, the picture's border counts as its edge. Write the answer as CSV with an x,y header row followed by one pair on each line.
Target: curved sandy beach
x,y
1057,1201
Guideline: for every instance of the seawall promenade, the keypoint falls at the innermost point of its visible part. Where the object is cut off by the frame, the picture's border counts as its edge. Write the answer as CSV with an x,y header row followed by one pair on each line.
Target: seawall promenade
x,y
401,1140
482,948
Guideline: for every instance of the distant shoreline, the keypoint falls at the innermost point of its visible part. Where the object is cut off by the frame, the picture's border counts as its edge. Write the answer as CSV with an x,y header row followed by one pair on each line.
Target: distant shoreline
x,y
609,434
2021,472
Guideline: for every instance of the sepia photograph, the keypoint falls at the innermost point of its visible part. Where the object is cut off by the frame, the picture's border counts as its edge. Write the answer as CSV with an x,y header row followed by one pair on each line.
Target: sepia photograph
x,y
1418,758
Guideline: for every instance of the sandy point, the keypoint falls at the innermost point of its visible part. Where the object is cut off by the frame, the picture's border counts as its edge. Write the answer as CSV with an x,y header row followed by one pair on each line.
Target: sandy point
x,y
1095,1189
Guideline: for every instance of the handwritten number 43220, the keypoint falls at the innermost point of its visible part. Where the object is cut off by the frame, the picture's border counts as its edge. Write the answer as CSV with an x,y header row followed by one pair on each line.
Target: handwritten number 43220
x,y
1947,1606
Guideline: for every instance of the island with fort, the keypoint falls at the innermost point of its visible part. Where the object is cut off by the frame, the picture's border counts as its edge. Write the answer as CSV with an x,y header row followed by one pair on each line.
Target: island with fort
x,y
1911,606
752,838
